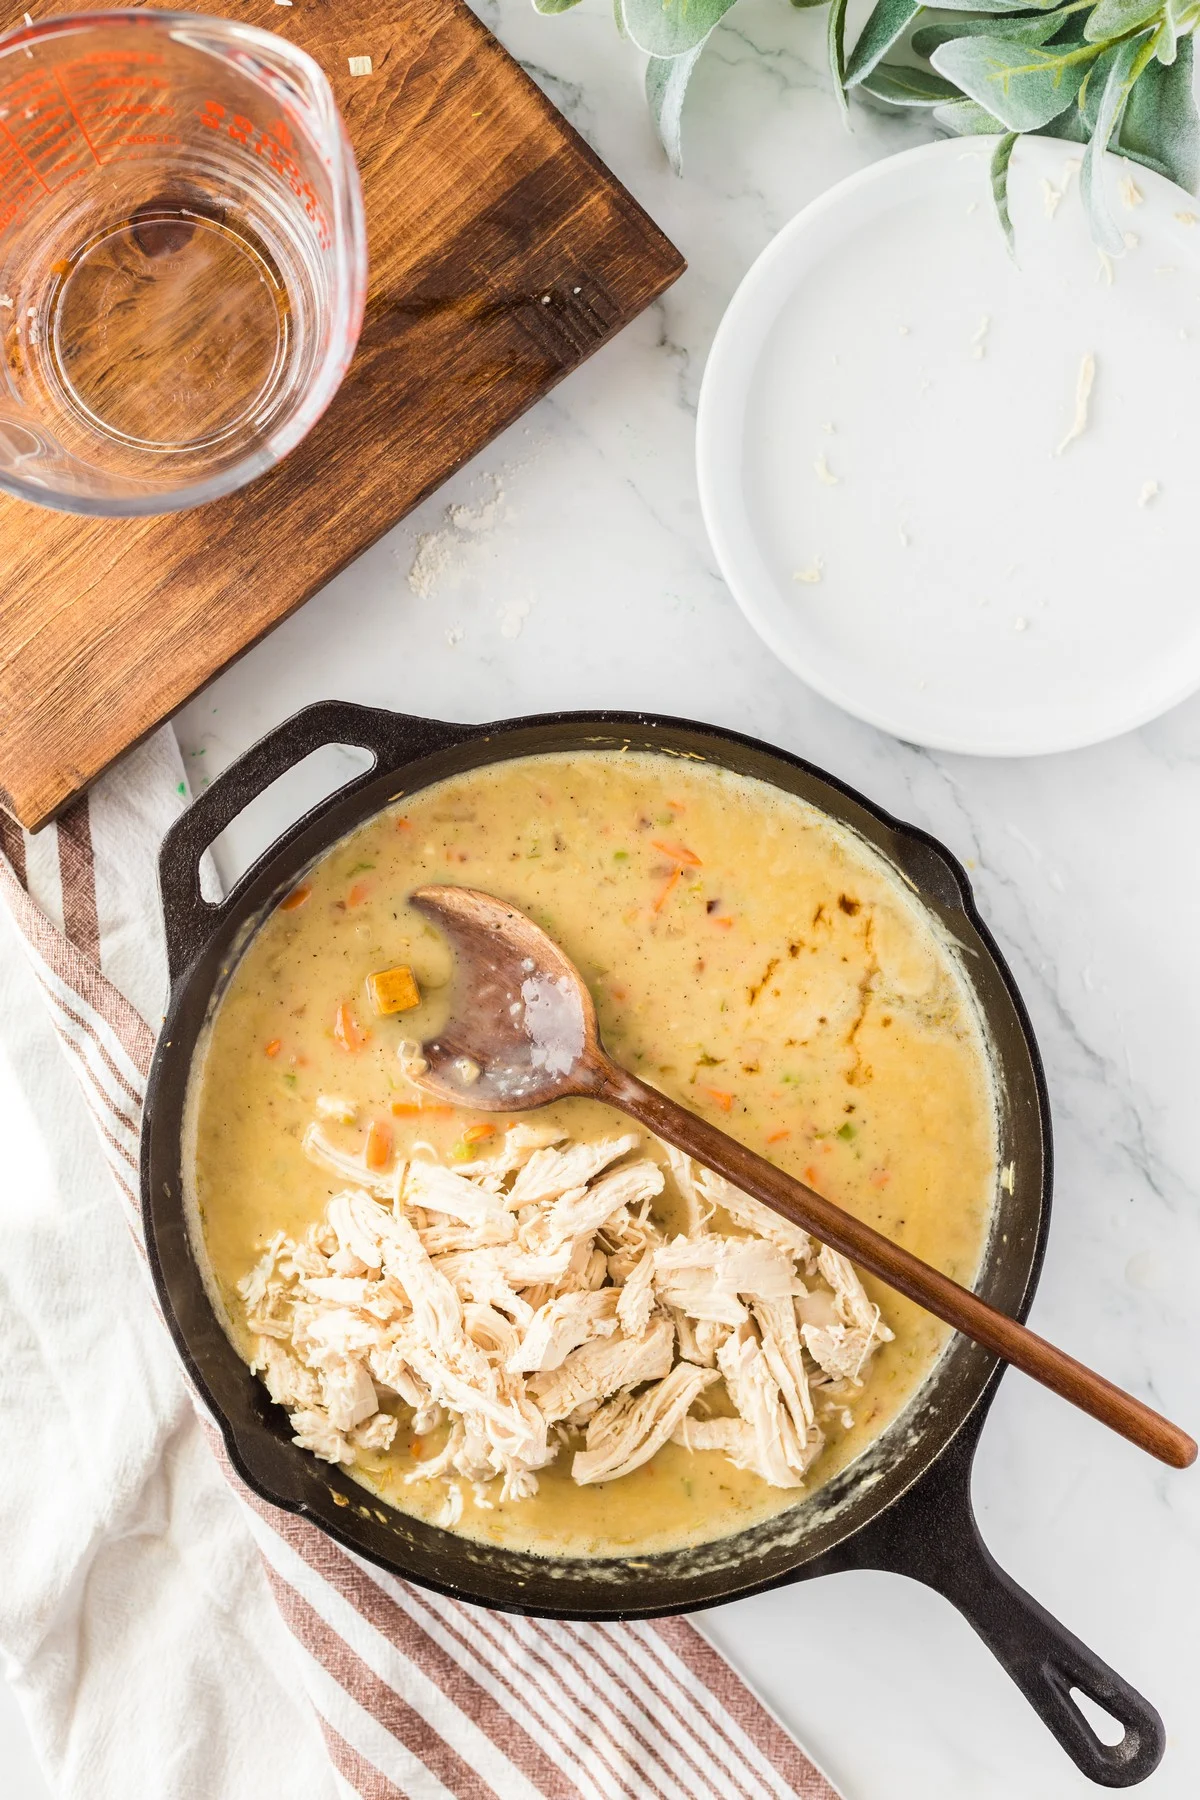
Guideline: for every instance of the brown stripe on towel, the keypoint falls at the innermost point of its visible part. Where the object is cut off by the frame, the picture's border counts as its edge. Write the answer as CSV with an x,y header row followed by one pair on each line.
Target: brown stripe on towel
x,y
12,844
617,1638
362,1776
367,1595
77,872
745,1708
375,1696
128,1111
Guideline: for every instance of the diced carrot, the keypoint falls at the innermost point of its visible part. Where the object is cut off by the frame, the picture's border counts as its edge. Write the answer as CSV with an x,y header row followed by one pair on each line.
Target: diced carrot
x,y
403,824
777,1137
720,1098
274,1047
379,1144
810,1175
665,891
296,898
679,853
358,893
408,1109
723,920
393,990
476,1134
417,1448
881,1177
346,1028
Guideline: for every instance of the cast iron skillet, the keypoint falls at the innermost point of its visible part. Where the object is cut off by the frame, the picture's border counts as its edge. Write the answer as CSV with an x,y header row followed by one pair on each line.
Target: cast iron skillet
x,y
907,1507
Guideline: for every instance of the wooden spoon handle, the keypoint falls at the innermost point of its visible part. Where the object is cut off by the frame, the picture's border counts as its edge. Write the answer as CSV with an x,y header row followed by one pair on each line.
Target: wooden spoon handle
x,y
936,1292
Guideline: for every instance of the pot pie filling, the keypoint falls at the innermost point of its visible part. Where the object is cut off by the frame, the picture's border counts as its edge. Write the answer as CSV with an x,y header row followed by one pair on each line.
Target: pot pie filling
x,y
551,1331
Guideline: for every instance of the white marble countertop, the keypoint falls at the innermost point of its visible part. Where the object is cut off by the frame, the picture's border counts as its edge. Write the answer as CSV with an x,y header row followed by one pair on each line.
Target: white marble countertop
x,y
568,567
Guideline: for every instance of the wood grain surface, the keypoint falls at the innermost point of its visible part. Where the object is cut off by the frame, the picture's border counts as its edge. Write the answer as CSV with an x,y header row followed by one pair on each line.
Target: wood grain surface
x,y
481,201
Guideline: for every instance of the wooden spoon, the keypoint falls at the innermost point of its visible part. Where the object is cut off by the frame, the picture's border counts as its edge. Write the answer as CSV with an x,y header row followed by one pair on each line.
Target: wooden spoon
x,y
523,1032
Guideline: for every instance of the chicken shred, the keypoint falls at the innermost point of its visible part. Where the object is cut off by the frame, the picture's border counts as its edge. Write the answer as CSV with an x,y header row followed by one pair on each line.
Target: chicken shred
x,y
627,1431
527,1296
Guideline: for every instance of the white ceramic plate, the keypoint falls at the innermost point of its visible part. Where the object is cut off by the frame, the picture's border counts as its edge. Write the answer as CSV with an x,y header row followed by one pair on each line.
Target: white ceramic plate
x,y
878,449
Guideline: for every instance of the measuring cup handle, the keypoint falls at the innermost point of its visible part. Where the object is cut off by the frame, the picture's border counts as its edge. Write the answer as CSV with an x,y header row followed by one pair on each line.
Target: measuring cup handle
x,y
393,739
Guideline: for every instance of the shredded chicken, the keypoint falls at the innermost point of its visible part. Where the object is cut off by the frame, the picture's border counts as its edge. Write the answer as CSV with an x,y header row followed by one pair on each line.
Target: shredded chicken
x,y
590,1374
549,1173
318,1149
562,1325
517,1300
627,1431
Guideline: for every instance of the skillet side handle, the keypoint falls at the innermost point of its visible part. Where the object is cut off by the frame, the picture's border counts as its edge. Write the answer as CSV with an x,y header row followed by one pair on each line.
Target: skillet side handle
x,y
392,738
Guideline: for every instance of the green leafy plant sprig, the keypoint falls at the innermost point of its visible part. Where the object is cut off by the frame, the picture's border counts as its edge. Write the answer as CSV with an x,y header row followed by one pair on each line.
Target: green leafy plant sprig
x,y
1108,74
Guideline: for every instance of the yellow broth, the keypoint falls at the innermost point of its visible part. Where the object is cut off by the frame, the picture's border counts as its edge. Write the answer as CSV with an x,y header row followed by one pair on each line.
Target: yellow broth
x,y
746,955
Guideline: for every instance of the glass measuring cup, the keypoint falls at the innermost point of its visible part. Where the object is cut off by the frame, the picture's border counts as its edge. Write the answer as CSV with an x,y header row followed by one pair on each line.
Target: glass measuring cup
x,y
182,257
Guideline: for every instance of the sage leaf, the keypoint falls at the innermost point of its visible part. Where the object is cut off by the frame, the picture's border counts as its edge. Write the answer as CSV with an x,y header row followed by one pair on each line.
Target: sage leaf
x,y
1070,124
1022,84
671,27
887,23
1168,40
667,80
1112,18
1160,125
1001,158
836,45
995,6
806,5
903,86
554,6
1091,91
1070,33
966,118
1037,30
1123,70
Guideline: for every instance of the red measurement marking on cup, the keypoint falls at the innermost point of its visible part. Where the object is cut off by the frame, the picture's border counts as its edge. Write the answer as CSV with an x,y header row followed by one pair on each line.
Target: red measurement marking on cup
x,y
273,145
121,102
62,88
39,125
73,116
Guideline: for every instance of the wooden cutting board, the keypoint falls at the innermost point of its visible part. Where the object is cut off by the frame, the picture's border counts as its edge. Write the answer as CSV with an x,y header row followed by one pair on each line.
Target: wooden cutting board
x,y
481,203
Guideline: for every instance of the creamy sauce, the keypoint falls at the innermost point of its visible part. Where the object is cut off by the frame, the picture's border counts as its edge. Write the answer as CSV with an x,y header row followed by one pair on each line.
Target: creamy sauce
x,y
746,955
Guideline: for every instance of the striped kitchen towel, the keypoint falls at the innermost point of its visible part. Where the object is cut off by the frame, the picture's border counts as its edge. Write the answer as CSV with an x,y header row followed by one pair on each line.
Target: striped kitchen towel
x,y
413,1694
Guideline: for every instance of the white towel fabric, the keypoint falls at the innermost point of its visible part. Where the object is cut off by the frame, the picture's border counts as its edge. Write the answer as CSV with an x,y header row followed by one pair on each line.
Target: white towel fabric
x,y
136,1623
168,1635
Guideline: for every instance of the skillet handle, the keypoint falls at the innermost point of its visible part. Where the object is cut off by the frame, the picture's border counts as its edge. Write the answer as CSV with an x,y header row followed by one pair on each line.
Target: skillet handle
x,y
931,1535
392,738
1047,1661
